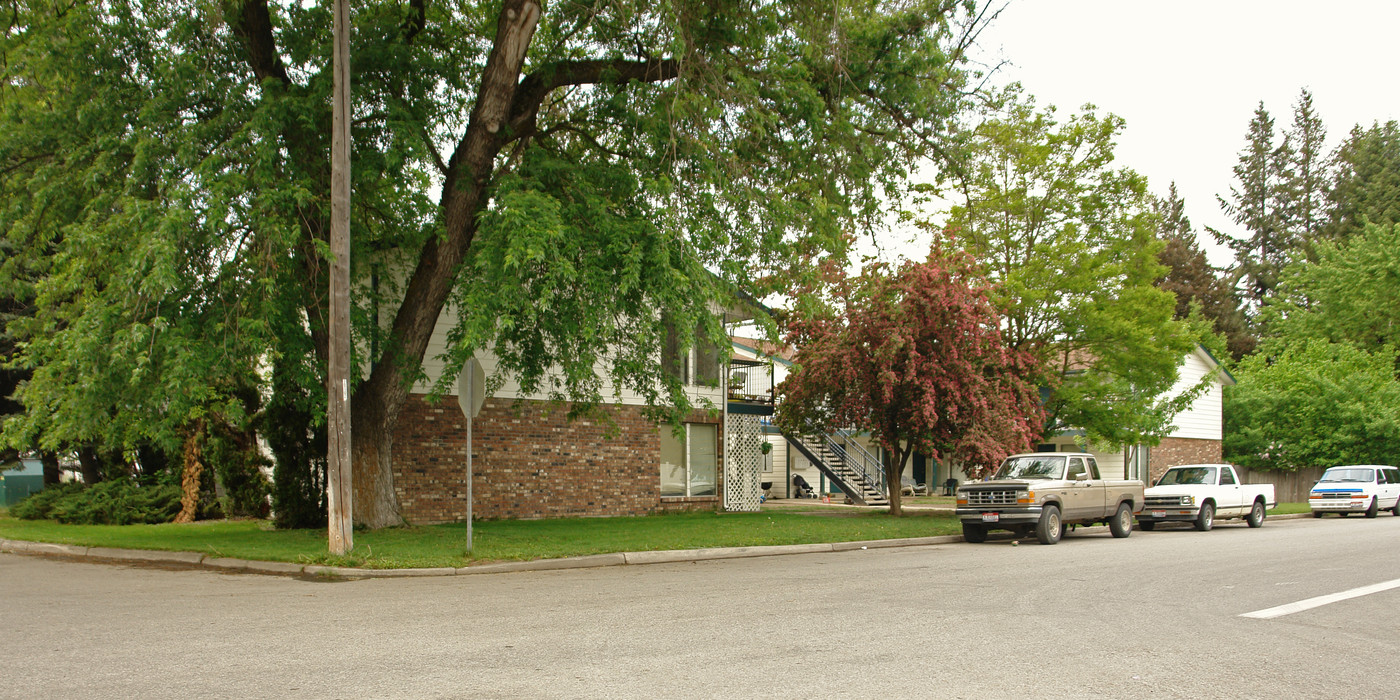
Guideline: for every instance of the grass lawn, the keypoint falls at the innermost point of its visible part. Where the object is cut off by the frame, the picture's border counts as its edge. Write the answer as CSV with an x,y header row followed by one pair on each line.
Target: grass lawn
x,y
444,545
1290,508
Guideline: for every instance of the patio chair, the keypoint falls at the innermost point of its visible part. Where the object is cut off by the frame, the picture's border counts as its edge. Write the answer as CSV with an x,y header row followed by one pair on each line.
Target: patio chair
x,y
909,487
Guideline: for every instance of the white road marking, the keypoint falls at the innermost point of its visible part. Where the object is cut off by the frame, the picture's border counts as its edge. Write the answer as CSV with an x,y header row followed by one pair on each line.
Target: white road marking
x,y
1310,603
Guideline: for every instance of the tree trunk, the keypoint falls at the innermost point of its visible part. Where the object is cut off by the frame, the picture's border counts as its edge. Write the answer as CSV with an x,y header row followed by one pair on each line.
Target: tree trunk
x,y
376,503
52,473
189,478
90,464
894,468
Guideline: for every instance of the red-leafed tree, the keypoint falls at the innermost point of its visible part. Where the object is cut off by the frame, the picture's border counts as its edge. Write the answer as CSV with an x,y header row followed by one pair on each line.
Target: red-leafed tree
x,y
913,355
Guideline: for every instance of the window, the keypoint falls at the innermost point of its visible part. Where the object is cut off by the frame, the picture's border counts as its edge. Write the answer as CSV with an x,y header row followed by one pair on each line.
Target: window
x,y
1076,467
697,365
1093,468
689,463
1226,477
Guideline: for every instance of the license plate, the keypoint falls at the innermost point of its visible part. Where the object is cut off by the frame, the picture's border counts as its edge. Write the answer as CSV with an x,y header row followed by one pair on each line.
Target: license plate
x,y
1159,513
991,517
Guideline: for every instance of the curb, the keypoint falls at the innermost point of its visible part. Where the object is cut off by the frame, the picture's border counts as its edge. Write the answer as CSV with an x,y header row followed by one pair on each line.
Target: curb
x,y
279,568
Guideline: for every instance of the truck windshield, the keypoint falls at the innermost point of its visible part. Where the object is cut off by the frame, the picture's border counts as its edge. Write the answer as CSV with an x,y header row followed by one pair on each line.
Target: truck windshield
x,y
1188,475
1032,468
1364,476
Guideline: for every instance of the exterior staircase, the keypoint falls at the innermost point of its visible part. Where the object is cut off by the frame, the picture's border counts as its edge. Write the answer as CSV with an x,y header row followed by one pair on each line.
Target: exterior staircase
x,y
846,463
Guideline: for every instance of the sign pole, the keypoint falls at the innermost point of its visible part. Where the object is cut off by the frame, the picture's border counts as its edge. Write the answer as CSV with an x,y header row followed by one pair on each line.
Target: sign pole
x,y
471,394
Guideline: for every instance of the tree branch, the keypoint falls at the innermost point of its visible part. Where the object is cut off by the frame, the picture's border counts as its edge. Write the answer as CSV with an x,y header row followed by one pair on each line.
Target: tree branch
x,y
254,27
536,86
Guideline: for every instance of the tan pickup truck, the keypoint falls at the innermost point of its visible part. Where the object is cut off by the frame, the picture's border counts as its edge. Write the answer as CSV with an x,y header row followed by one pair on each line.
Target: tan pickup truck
x,y
1044,492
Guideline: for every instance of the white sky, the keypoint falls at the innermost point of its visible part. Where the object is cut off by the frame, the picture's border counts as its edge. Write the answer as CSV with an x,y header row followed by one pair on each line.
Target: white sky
x,y
1187,75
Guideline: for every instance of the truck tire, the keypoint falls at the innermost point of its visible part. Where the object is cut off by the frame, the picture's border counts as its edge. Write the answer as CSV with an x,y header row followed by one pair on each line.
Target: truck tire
x,y
1122,523
1049,529
974,533
1147,525
1256,515
1205,520
1317,514
1396,509
1374,509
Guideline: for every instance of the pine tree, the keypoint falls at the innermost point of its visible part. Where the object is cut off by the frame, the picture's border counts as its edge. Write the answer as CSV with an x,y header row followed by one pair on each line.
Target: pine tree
x,y
1367,181
1256,205
1194,281
1304,183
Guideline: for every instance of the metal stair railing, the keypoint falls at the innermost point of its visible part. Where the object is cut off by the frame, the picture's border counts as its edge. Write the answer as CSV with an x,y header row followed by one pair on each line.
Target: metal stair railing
x,y
870,466
856,471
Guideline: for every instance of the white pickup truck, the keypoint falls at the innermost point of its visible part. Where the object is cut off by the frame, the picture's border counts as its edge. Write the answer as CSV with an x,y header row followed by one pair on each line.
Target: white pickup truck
x,y
1200,494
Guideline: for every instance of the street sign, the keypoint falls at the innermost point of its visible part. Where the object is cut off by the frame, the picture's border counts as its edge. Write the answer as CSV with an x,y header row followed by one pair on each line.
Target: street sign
x,y
471,388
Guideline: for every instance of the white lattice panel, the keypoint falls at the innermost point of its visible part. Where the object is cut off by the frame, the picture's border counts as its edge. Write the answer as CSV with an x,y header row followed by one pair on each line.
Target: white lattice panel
x,y
743,462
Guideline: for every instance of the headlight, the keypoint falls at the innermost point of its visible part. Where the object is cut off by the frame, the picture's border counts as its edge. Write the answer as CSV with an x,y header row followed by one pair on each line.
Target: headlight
x,y
1025,498
1188,500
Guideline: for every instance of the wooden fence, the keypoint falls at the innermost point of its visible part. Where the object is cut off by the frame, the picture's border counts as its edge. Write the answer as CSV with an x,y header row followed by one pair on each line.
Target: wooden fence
x,y
1288,486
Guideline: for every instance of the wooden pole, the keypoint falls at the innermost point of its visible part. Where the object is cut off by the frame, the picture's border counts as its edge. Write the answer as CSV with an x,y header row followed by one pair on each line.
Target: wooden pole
x,y
341,516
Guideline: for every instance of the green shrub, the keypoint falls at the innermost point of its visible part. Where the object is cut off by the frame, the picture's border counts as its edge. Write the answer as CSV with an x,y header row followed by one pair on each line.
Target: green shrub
x,y
38,506
115,502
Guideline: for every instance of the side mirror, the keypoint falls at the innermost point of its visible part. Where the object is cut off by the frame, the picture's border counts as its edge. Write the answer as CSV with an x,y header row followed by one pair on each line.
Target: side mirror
x,y
1082,476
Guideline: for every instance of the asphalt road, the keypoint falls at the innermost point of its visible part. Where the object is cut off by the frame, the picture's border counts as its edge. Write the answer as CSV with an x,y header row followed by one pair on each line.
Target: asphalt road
x,y
1157,615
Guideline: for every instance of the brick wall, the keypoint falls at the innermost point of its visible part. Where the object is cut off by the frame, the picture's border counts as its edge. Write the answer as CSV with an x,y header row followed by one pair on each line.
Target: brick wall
x,y
1176,451
530,462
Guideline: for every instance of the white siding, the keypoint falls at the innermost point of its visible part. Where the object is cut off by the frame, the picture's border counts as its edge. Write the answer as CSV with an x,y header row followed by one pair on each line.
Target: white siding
x,y
510,389
1202,420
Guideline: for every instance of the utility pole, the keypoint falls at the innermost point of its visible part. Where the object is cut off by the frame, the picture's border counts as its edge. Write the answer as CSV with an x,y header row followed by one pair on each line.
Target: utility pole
x,y
341,533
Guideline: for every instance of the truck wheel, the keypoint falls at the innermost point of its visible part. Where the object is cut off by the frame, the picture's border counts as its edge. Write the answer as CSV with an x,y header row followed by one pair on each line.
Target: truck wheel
x,y
1147,525
1396,509
1256,515
1317,514
974,533
1122,523
1049,530
1375,508
1205,520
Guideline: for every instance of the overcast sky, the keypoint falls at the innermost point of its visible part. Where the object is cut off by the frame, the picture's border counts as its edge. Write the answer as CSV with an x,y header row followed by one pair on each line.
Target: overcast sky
x,y
1187,75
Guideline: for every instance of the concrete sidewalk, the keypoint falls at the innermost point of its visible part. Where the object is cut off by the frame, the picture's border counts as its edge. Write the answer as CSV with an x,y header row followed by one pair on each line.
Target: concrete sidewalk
x,y
278,568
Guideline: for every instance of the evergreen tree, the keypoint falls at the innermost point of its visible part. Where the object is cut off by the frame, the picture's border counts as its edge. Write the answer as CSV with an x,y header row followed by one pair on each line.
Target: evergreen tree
x,y
1255,204
1304,182
1367,181
1195,282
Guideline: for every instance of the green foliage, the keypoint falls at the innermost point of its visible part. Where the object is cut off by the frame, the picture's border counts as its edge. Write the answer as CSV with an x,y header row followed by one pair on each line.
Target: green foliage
x,y
39,506
113,502
1367,183
298,445
1071,244
1313,404
163,179
1351,294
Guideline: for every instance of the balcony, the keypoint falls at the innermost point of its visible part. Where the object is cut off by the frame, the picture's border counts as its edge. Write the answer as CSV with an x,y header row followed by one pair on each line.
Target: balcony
x,y
750,387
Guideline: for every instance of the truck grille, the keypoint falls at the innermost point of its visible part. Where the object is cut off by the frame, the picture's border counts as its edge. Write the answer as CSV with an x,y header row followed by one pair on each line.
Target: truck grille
x,y
1163,501
991,497
1343,495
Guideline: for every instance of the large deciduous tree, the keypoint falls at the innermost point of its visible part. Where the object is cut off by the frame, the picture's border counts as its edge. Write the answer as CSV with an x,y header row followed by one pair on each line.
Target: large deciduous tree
x,y
574,177
1070,243
914,355
1349,294
1312,403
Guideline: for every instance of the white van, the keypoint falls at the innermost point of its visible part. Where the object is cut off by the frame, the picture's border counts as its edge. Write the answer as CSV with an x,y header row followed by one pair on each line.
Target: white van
x,y
1359,488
